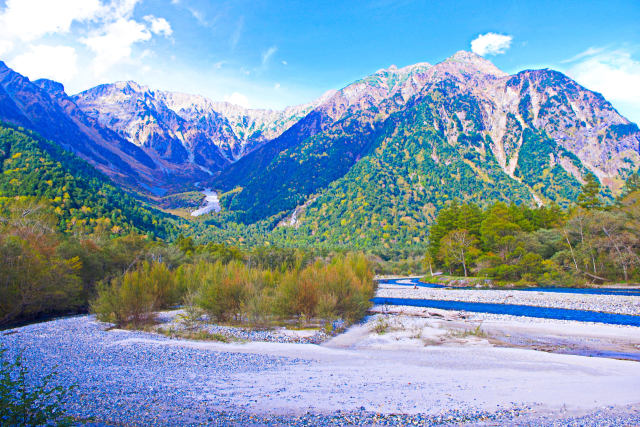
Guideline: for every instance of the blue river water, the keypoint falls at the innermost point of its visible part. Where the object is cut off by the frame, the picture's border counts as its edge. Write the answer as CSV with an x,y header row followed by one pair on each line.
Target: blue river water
x,y
591,291
519,310
515,310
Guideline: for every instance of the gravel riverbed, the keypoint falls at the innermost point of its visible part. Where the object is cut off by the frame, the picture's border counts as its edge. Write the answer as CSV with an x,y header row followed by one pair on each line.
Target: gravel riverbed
x,y
171,322
137,378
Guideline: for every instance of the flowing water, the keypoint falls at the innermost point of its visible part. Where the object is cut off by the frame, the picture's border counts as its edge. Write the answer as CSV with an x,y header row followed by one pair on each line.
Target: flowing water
x,y
211,203
518,309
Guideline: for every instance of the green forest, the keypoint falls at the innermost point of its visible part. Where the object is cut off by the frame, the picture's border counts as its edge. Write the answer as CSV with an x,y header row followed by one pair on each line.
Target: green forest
x,y
590,242
82,199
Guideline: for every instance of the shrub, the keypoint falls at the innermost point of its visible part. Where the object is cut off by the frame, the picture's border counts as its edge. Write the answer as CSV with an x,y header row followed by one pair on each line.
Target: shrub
x,y
24,405
224,290
33,281
235,292
133,298
341,288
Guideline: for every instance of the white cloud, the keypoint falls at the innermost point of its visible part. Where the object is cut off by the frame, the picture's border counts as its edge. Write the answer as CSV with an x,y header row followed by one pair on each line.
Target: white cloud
x,y
199,16
113,43
106,27
28,20
117,9
589,52
237,99
53,62
237,33
5,46
159,26
491,44
285,63
615,74
267,54
276,86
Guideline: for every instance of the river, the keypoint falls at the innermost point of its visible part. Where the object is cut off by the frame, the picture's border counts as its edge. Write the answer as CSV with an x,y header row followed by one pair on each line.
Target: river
x,y
594,315
211,203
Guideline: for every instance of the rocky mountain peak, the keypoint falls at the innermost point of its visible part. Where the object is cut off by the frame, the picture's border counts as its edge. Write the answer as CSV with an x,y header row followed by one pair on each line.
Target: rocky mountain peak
x,y
470,62
52,87
129,86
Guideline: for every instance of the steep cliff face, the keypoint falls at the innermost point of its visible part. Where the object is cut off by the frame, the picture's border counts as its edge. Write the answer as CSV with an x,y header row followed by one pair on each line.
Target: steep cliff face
x,y
185,128
579,120
142,117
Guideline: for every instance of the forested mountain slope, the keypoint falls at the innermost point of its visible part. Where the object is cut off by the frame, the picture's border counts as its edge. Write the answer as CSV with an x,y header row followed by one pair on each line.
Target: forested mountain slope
x,y
461,128
82,198
368,165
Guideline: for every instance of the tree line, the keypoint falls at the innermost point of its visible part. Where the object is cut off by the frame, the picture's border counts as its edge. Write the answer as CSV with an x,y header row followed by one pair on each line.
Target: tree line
x,y
590,242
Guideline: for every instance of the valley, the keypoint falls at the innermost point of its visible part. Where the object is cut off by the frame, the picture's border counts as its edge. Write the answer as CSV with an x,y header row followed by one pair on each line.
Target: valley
x,y
211,201
447,242
385,152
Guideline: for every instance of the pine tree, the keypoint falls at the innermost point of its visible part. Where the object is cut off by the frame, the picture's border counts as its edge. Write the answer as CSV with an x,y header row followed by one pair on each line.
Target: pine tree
x,y
588,198
632,184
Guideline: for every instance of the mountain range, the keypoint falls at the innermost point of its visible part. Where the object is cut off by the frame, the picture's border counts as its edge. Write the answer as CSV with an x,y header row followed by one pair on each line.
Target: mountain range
x,y
368,164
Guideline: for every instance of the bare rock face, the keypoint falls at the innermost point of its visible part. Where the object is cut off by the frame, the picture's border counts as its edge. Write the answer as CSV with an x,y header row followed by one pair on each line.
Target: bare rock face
x,y
181,127
490,102
581,121
141,116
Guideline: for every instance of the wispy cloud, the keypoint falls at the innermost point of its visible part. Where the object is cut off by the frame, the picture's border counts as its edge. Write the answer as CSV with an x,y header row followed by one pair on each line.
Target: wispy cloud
x,y
237,33
218,65
199,16
589,52
267,54
491,44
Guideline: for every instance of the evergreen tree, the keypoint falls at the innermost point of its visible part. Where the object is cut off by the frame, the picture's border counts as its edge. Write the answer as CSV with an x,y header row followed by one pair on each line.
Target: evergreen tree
x,y
588,198
632,184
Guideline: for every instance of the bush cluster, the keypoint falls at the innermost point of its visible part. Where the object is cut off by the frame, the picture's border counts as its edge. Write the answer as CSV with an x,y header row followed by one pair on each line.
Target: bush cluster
x,y
235,292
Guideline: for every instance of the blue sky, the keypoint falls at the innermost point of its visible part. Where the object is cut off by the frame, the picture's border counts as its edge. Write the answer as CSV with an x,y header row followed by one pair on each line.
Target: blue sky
x,y
276,53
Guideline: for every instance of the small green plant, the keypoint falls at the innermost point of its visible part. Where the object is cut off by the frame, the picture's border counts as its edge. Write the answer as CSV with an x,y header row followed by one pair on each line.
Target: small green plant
x,y
477,332
416,333
22,404
381,326
192,313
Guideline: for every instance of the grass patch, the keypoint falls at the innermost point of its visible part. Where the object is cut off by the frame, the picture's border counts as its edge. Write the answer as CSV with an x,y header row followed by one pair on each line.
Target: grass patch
x,y
197,335
465,333
381,326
